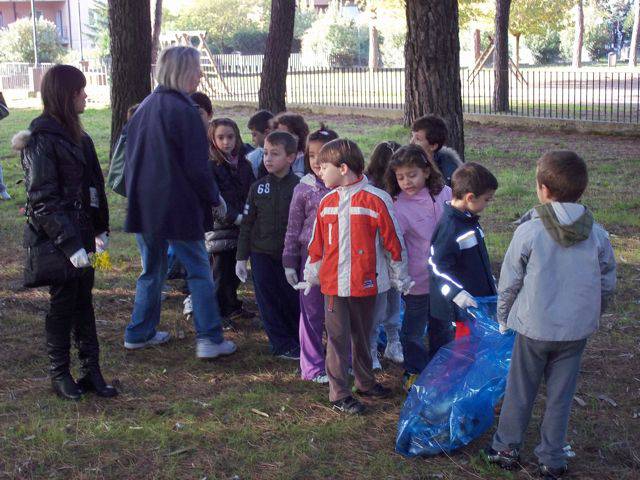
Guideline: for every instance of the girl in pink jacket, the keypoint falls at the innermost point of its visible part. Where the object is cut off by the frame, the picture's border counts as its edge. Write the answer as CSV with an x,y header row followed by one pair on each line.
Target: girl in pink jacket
x,y
419,191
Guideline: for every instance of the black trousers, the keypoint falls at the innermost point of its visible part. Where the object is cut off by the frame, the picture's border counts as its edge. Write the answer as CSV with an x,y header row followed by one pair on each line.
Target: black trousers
x,y
71,310
223,267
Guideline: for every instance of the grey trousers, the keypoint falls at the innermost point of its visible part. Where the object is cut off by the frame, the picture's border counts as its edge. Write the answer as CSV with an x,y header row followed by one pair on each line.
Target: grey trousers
x,y
348,321
559,364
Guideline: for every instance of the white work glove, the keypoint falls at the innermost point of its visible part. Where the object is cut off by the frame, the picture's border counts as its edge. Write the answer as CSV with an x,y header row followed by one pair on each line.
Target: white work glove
x,y
292,276
102,242
238,220
502,327
220,211
80,259
403,286
241,270
465,300
305,286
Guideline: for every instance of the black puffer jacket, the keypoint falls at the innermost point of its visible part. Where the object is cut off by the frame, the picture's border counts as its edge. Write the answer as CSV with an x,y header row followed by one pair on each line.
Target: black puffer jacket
x,y
234,183
62,180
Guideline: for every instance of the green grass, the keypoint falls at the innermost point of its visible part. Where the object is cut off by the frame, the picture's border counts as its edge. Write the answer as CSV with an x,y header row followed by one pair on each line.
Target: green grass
x,y
181,418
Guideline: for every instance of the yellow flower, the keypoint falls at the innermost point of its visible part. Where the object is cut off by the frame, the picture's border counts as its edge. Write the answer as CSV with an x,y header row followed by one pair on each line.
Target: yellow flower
x,y
101,261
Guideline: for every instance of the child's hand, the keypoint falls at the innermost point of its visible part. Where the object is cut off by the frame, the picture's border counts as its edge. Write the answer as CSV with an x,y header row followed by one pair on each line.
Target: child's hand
x,y
465,300
241,270
102,242
292,276
306,286
403,286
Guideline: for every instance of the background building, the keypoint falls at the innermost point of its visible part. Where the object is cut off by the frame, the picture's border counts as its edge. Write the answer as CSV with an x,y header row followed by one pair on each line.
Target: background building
x,y
69,16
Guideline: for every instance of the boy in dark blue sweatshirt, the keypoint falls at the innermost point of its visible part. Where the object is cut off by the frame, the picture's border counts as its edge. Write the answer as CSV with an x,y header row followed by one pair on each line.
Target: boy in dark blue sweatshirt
x,y
459,263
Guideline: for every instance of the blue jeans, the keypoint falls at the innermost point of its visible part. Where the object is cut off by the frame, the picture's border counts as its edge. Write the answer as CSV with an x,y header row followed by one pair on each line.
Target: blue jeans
x,y
416,316
146,309
2,185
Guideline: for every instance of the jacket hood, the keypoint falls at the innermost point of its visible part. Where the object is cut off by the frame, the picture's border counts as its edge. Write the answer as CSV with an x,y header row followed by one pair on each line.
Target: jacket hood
x,y
567,223
451,154
42,124
20,140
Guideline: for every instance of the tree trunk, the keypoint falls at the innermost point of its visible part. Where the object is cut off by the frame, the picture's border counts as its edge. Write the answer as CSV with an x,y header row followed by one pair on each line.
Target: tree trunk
x,y
501,57
273,81
157,27
633,48
130,31
374,43
579,36
477,49
432,66
374,48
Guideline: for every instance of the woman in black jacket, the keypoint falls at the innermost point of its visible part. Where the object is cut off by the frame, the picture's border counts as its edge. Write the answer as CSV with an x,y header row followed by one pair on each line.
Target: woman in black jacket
x,y
66,205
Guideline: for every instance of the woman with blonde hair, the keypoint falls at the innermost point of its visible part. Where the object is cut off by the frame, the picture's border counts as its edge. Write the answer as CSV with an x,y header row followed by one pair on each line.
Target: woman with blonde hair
x,y
170,194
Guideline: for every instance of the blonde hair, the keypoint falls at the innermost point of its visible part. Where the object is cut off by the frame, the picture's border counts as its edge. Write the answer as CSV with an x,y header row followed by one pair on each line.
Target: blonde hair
x,y
175,65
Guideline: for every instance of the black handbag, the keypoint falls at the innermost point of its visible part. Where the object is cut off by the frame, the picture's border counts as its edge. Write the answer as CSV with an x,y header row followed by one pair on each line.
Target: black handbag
x,y
46,264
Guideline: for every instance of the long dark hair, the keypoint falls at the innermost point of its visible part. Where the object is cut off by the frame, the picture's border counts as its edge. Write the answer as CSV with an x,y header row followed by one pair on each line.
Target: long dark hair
x,y
379,162
60,85
216,154
413,156
323,135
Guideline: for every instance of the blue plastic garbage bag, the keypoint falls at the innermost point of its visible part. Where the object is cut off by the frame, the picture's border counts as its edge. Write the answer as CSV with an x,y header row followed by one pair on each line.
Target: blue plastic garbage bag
x,y
453,400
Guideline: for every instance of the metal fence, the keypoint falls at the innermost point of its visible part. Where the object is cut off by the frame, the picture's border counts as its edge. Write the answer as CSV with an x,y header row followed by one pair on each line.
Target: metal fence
x,y
21,76
605,96
586,95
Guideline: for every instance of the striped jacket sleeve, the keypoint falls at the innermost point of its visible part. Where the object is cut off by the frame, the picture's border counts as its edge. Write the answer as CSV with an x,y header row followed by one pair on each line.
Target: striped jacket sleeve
x,y
445,254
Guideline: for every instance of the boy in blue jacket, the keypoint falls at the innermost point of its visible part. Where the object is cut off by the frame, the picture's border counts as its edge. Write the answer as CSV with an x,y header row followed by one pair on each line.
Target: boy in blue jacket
x,y
459,262
557,275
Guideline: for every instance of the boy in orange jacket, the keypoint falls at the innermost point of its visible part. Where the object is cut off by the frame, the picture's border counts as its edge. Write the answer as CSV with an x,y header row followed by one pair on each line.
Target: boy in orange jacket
x,y
356,252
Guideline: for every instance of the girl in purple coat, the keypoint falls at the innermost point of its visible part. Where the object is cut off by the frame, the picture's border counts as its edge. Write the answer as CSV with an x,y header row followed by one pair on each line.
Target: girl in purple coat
x,y
302,214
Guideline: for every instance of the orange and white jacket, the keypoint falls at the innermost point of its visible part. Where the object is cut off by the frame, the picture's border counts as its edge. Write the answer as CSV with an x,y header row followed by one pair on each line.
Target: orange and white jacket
x,y
357,248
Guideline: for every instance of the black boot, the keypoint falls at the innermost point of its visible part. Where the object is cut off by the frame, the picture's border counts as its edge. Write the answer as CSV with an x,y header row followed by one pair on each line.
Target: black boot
x,y
89,354
61,380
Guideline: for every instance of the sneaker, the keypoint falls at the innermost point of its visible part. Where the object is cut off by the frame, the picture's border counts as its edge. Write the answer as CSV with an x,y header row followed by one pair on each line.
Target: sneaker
x,y
408,379
550,473
394,352
4,195
375,360
349,405
290,355
322,379
206,348
188,306
158,339
508,459
378,391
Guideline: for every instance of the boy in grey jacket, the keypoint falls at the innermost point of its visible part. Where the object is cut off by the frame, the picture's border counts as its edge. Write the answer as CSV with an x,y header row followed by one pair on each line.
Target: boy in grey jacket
x,y
556,277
